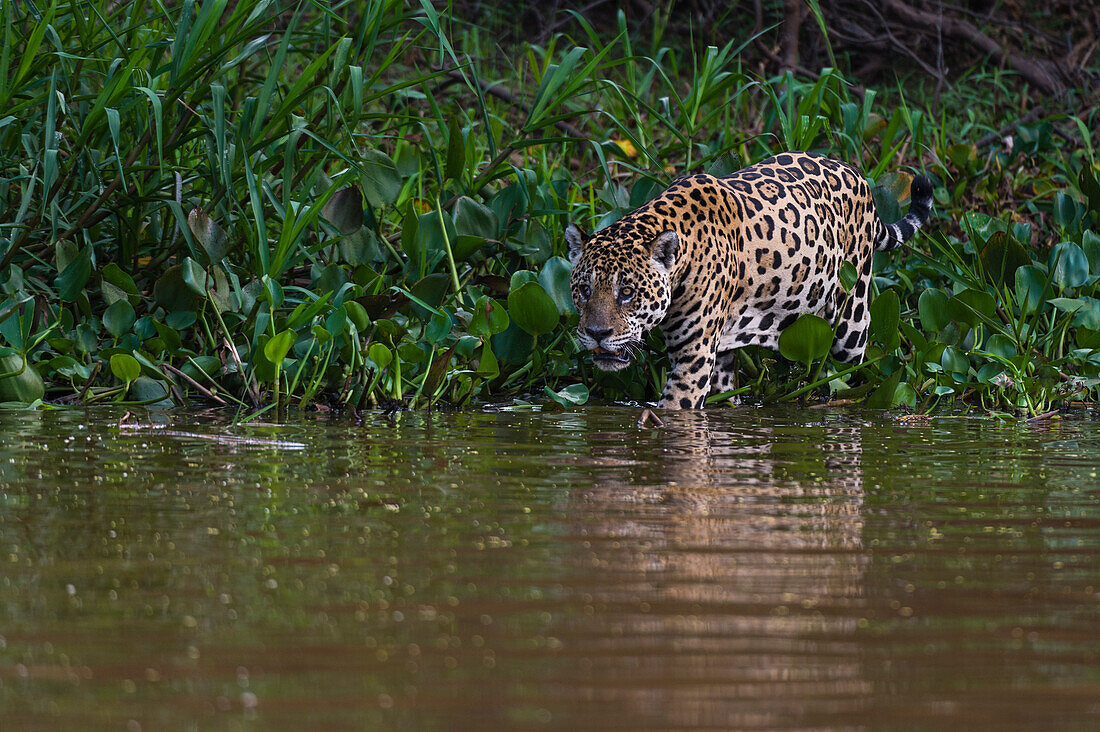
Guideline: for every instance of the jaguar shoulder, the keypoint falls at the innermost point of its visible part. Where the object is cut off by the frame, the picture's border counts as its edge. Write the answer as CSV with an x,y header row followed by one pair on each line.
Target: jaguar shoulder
x,y
720,263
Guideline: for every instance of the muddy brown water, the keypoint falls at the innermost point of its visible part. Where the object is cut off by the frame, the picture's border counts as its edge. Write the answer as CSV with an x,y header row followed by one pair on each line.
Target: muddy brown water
x,y
738,569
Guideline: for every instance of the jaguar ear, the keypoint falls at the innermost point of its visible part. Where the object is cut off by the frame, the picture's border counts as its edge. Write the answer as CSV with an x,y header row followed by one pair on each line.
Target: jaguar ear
x,y
575,238
663,249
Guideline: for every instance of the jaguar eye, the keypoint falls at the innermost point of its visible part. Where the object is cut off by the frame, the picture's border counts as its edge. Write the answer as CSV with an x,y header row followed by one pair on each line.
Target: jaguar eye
x,y
626,294
584,291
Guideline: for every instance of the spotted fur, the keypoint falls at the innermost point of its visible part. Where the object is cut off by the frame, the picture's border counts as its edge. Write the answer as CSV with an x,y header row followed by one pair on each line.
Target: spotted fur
x,y
720,263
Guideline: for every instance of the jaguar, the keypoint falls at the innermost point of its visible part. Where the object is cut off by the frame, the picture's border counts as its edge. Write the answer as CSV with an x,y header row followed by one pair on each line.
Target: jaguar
x,y
723,262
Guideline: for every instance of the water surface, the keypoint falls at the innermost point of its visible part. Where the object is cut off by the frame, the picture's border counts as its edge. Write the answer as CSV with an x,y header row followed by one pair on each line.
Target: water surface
x,y
739,569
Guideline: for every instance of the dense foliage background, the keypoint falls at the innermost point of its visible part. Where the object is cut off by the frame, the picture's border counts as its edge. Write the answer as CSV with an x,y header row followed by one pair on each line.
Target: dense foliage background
x,y
357,204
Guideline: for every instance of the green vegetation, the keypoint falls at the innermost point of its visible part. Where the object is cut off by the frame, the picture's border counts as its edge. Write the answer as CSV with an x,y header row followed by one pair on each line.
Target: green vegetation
x,y
267,204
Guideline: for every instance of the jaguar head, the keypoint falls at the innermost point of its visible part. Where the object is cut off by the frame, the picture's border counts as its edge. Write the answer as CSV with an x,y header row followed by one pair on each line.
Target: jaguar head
x,y
621,287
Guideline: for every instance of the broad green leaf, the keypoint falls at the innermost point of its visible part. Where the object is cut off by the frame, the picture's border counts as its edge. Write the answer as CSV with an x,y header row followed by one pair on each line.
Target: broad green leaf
x,y
573,395
806,340
886,319
475,219
1031,283
932,307
554,278
969,306
208,235
532,309
1090,243
1001,256
358,315
72,279
279,345
381,181
490,317
19,380
125,367
884,396
439,327
345,210
487,365
848,276
119,318
456,151
379,355
954,362
513,346
1091,189
1069,265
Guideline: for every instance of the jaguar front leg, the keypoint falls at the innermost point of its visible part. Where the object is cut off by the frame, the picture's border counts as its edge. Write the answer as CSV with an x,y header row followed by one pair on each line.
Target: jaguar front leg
x,y
688,383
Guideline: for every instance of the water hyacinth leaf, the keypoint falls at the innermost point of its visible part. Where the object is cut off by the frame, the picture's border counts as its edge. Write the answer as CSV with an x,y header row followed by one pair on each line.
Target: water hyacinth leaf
x,y
726,163
1000,345
411,353
181,319
954,362
1069,265
430,232
475,219
19,380
431,291
74,276
456,151
1066,210
125,367
1067,304
171,291
119,318
276,349
361,247
1031,284
1001,256
806,340
379,355
971,307
884,397
439,327
573,395
345,210
513,345
886,203
932,308
886,319
437,372
521,277
983,226
150,391
1090,188
336,323
200,368
848,276
358,315
532,309
410,231
381,181
898,183
465,246
487,365
554,278
1090,244
1088,315
115,275
210,237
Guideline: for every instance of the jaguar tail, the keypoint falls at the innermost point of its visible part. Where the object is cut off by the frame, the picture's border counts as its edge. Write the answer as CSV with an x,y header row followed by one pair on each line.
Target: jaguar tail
x,y
892,236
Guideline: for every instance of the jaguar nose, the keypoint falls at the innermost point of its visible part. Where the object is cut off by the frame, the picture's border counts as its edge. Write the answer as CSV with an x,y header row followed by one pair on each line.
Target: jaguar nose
x,y
598,333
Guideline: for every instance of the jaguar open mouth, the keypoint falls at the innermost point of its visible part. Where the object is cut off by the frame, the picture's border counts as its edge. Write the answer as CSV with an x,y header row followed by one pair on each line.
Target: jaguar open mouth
x,y
609,360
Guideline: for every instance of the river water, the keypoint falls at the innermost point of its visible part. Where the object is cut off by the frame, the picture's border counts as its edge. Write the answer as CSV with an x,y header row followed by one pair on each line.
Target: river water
x,y
737,569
